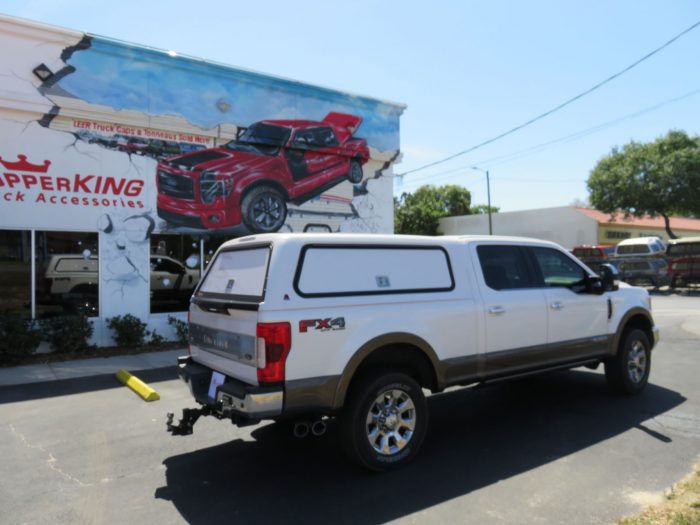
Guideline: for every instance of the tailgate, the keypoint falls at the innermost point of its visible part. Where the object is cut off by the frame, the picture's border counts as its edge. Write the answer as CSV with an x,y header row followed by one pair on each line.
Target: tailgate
x,y
225,342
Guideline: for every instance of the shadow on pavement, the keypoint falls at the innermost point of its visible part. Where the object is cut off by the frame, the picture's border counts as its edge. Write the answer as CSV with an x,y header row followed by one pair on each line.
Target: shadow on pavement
x,y
476,438
79,385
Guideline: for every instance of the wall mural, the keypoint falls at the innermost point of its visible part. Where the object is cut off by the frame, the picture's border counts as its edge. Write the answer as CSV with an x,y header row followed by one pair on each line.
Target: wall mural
x,y
99,135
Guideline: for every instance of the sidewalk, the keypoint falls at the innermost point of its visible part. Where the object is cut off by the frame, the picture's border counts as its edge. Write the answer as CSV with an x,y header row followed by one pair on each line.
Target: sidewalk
x,y
21,375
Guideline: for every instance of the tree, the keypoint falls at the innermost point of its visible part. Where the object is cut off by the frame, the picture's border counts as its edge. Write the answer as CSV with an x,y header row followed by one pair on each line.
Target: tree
x,y
655,178
418,213
483,209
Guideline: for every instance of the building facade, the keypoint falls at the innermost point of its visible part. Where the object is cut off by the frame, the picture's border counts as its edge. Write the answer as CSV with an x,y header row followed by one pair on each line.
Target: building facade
x,y
123,168
569,226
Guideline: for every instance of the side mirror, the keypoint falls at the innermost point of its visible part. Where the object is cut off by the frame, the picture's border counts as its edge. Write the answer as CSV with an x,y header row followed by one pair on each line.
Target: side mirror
x,y
609,277
594,285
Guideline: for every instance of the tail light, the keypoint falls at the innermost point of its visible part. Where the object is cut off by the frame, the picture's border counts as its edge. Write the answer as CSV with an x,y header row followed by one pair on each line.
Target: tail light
x,y
275,340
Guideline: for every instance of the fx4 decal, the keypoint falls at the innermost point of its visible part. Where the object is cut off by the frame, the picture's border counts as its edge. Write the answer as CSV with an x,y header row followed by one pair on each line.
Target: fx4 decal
x,y
324,325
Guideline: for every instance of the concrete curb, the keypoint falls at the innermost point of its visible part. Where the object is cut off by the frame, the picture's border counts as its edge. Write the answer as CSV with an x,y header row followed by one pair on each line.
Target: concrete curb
x,y
41,373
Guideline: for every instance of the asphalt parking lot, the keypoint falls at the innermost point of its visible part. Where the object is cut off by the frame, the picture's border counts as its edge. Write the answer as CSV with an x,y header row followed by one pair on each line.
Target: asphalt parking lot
x,y
554,449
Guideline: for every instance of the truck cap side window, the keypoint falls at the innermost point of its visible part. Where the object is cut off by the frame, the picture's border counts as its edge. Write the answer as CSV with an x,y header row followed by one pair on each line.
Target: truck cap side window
x,y
504,267
372,270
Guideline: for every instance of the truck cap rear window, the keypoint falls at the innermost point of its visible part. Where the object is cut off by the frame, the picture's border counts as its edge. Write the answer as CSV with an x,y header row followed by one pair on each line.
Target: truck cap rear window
x,y
346,270
237,274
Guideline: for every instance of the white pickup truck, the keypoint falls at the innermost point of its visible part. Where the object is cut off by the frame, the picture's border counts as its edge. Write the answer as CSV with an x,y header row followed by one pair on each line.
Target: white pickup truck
x,y
307,327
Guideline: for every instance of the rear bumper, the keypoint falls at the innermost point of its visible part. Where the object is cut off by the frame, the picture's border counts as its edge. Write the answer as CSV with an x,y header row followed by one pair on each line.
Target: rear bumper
x,y
655,331
233,399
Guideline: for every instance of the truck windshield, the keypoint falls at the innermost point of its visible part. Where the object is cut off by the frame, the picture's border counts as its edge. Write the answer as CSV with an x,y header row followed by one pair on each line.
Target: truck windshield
x,y
237,274
261,138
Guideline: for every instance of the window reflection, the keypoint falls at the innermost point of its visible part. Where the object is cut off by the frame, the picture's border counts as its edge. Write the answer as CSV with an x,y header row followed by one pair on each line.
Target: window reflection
x,y
174,271
15,273
67,274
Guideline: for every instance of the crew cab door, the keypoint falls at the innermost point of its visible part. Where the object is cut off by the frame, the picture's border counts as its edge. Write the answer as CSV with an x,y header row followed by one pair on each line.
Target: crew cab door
x,y
314,156
515,314
577,317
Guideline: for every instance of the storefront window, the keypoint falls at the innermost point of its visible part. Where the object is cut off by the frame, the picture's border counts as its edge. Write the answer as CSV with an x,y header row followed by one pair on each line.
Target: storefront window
x,y
67,274
175,271
15,273
211,244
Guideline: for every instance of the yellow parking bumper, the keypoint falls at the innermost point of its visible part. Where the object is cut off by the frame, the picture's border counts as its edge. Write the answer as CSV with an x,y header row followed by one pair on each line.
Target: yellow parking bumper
x,y
138,386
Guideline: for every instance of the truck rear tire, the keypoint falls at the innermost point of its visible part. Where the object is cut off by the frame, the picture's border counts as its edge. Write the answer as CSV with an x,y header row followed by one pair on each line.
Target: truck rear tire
x,y
384,421
355,172
628,371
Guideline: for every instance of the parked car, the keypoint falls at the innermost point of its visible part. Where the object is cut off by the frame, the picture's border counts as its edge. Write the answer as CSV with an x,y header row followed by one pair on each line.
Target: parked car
x,y
643,270
306,327
136,145
160,149
595,255
683,261
642,260
250,179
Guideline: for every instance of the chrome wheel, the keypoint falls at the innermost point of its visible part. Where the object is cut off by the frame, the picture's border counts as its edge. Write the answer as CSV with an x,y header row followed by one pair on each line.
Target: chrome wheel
x,y
637,362
391,422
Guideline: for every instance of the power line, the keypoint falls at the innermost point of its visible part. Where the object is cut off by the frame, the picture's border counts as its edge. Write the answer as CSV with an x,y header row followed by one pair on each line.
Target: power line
x,y
509,157
556,108
503,159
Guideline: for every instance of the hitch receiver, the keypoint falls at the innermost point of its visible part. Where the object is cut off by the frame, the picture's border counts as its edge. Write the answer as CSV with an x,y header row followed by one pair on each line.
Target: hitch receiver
x,y
186,424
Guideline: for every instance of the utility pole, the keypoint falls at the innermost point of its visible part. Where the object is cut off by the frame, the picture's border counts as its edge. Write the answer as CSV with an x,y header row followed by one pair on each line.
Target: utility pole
x,y
488,195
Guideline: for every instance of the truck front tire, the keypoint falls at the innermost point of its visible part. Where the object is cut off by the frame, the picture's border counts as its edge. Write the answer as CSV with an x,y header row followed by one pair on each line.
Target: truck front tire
x,y
628,371
264,210
385,420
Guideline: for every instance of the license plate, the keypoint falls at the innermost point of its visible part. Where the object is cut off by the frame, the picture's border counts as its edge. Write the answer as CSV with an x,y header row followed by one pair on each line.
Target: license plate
x,y
216,380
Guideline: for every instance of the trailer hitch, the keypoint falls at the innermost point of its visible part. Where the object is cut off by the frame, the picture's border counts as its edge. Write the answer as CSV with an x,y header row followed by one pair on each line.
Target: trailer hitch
x,y
186,424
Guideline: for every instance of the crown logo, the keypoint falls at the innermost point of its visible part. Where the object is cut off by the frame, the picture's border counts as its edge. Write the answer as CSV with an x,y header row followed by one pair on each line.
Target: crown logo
x,y
24,166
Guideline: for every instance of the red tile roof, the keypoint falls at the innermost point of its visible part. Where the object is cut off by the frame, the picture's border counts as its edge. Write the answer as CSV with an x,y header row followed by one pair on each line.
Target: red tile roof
x,y
677,223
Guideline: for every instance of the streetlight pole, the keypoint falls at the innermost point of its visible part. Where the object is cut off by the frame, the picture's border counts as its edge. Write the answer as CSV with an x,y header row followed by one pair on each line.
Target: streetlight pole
x,y
488,195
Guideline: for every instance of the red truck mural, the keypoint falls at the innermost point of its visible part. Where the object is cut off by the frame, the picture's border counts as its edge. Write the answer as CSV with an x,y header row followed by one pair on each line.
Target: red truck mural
x,y
250,180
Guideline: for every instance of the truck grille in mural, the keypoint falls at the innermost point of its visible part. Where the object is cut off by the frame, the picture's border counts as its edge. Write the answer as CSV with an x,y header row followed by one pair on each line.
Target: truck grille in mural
x,y
176,185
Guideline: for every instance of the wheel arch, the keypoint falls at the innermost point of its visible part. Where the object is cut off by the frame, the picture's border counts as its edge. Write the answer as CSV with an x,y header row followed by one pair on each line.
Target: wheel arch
x,y
402,352
635,318
264,182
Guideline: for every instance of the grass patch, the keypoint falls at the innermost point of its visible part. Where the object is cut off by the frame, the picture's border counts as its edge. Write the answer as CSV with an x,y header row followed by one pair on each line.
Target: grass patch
x,y
681,505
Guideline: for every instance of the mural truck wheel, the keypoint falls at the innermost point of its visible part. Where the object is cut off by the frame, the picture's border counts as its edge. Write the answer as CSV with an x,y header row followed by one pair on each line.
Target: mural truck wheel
x,y
264,210
355,172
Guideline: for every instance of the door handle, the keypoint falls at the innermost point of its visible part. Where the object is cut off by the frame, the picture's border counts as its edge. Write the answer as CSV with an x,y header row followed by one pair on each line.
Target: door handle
x,y
497,310
556,305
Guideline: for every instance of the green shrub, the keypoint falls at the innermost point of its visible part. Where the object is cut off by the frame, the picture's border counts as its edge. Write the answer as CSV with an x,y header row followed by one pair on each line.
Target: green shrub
x,y
68,334
156,339
128,330
181,328
18,338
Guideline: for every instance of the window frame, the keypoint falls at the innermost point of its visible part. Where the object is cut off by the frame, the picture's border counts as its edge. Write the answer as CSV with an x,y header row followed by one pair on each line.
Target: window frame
x,y
539,276
532,282
316,295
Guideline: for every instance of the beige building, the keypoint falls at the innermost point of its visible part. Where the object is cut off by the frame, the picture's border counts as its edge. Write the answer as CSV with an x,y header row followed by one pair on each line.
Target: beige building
x,y
568,225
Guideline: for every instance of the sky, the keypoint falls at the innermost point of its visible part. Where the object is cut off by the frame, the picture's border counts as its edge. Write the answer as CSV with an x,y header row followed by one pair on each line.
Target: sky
x,y
467,71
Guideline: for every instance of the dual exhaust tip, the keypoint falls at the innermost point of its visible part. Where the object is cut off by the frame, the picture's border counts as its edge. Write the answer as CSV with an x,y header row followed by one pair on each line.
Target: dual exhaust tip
x,y
303,428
